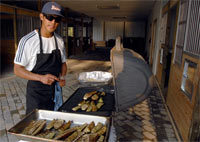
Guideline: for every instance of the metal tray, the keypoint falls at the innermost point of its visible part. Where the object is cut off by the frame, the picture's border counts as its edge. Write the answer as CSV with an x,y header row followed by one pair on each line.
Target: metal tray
x,y
78,119
95,78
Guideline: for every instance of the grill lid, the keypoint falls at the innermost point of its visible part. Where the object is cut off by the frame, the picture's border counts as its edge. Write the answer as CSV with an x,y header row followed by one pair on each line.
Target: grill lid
x,y
132,77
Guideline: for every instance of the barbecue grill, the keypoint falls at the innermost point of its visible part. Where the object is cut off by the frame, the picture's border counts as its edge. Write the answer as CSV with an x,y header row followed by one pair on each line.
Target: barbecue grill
x,y
132,83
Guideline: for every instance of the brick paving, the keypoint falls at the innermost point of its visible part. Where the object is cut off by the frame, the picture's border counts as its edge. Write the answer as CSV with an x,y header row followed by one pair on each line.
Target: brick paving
x,y
145,122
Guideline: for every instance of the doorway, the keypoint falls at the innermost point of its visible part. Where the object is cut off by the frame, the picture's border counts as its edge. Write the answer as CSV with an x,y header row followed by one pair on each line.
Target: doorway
x,y
172,27
70,40
153,38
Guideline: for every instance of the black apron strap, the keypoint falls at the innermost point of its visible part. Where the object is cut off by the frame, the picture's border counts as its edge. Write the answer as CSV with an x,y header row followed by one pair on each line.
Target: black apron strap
x,y
41,47
56,42
41,50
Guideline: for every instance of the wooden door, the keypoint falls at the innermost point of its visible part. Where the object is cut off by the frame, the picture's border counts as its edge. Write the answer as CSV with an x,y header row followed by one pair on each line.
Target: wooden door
x,y
161,63
167,41
153,37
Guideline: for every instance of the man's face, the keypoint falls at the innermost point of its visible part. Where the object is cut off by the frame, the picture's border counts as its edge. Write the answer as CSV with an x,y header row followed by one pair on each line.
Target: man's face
x,y
50,22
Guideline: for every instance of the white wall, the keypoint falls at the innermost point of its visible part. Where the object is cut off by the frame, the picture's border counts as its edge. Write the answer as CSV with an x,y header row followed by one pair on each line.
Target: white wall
x,y
155,14
113,29
97,30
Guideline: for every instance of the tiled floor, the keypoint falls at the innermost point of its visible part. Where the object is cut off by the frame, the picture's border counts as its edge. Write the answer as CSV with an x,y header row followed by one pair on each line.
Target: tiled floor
x,y
145,122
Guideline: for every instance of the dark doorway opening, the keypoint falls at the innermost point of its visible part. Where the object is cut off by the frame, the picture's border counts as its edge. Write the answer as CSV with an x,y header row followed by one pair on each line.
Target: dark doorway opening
x,y
172,28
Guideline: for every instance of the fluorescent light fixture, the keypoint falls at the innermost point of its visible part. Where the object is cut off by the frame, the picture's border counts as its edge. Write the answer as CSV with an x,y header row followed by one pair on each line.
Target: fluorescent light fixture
x,y
119,17
108,7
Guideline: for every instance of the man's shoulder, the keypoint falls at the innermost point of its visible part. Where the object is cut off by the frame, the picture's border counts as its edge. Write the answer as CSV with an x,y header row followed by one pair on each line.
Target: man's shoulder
x,y
28,37
58,37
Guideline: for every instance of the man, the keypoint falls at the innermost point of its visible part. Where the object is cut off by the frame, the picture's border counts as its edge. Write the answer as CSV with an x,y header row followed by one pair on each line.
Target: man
x,y
40,58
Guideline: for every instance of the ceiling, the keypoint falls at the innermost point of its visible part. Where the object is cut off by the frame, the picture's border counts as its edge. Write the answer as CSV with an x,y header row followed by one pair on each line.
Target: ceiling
x,y
120,10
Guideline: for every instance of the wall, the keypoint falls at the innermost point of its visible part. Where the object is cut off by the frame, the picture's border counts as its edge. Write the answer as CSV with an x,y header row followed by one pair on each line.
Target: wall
x,y
164,2
114,29
97,30
135,29
179,104
148,36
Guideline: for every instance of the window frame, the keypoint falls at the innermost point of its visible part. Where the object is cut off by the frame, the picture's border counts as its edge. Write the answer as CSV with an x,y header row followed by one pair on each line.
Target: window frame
x,y
175,60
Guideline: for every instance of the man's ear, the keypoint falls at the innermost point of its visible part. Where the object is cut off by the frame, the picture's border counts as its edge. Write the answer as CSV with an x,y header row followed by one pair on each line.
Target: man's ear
x,y
41,16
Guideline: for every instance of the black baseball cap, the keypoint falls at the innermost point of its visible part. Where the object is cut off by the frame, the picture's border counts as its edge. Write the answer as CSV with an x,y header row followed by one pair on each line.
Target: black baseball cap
x,y
52,8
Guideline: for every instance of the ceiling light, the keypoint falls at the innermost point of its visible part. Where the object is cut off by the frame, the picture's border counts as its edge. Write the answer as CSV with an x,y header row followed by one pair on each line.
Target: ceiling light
x,y
119,17
108,7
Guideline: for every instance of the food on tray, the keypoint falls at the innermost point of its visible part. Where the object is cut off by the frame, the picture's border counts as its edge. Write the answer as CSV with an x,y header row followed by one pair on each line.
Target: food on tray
x,y
95,97
101,131
89,138
50,125
100,100
50,135
35,126
84,106
99,105
89,108
66,133
65,126
94,108
39,128
25,131
89,127
92,101
81,103
72,137
88,95
101,138
80,128
57,129
76,108
103,93
43,133
58,123
97,127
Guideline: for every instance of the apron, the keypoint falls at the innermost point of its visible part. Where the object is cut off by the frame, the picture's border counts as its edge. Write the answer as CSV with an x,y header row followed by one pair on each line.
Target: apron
x,y
39,95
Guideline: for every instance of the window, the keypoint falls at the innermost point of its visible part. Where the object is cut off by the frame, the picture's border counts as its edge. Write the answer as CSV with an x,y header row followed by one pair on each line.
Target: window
x,y
71,31
180,38
192,44
188,77
188,31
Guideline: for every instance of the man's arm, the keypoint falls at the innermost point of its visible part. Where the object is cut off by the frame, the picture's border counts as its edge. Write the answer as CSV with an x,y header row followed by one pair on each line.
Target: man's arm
x,y
23,73
63,74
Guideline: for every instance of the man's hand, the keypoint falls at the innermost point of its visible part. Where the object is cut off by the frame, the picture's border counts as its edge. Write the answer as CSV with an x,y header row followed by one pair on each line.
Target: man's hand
x,y
48,79
62,83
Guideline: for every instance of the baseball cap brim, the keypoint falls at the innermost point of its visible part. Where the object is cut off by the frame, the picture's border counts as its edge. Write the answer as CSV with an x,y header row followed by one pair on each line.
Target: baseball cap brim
x,y
53,13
